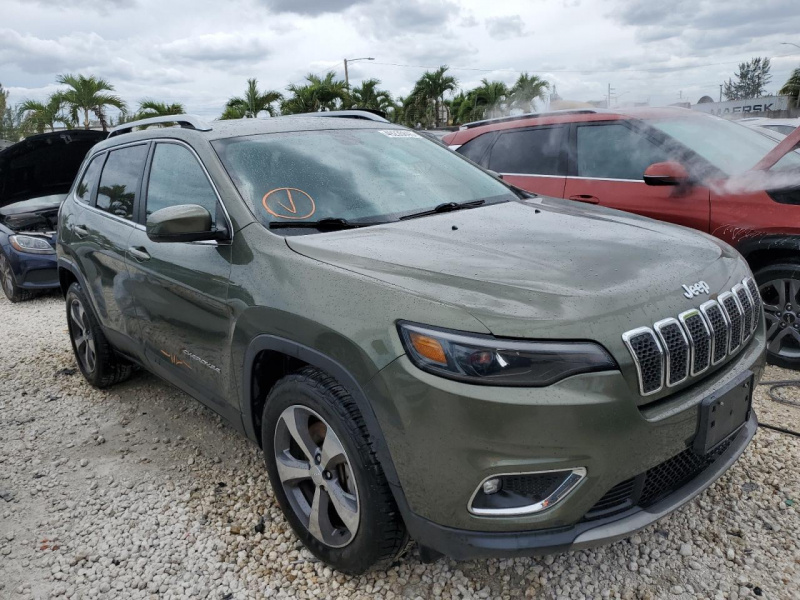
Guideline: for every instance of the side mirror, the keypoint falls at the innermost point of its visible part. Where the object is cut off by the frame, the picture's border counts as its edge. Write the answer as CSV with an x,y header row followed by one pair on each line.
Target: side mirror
x,y
666,173
182,223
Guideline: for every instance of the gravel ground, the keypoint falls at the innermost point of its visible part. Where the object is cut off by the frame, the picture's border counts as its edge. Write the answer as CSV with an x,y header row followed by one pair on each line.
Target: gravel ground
x,y
140,492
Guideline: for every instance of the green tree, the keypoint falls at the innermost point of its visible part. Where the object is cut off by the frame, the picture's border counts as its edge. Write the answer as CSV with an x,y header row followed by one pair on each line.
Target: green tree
x,y
318,93
792,87
85,95
367,95
528,89
45,114
253,103
751,80
431,88
151,108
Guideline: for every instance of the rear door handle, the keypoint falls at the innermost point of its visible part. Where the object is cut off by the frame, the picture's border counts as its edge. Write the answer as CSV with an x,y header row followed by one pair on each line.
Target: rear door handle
x,y
139,253
80,231
588,198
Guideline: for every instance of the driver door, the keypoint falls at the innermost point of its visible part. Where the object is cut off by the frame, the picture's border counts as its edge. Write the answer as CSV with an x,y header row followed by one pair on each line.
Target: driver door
x,y
180,288
608,161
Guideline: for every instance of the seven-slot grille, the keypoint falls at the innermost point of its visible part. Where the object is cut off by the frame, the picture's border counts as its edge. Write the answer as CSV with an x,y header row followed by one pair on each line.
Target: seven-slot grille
x,y
689,345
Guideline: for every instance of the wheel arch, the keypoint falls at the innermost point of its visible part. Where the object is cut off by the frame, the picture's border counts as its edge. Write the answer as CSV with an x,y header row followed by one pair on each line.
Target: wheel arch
x,y
267,346
762,250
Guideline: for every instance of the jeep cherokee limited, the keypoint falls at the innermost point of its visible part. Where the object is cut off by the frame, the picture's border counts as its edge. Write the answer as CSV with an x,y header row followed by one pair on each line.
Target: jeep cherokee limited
x,y
418,348
672,164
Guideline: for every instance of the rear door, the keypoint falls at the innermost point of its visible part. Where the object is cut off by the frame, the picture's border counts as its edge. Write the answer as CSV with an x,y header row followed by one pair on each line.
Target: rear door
x,y
607,165
101,231
534,158
181,287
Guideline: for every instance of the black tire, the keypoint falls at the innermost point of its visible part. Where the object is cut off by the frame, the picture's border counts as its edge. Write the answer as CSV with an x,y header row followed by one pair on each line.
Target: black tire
x,y
106,368
13,292
777,281
381,534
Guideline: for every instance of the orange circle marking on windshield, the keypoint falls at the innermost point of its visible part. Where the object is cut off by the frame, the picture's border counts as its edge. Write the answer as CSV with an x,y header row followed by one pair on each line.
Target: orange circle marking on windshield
x,y
289,203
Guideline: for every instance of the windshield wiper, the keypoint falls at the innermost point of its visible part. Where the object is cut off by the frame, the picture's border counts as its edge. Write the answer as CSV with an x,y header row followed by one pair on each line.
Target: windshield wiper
x,y
327,224
443,208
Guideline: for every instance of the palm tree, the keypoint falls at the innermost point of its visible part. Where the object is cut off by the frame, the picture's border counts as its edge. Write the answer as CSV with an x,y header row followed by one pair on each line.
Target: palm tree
x,y
792,87
88,95
527,90
151,108
491,96
320,93
432,87
254,102
44,114
367,95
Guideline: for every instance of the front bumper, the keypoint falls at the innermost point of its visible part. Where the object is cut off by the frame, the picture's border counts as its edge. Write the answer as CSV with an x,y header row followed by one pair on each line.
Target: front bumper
x,y
446,437
33,271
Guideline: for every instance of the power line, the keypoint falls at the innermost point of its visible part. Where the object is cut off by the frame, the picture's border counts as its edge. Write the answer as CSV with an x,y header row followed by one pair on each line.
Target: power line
x,y
610,70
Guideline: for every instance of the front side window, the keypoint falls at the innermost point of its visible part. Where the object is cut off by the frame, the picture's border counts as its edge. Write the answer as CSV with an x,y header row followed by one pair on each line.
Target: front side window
x,y
729,146
177,178
476,148
366,175
119,182
530,151
615,151
88,182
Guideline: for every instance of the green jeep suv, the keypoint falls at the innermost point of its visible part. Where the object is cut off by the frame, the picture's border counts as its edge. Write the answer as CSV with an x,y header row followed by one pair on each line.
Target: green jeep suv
x,y
419,349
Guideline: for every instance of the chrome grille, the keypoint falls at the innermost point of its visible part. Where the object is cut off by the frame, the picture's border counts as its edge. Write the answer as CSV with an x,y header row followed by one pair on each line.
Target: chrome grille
x,y
676,346
676,349
649,359
756,296
734,312
699,340
747,306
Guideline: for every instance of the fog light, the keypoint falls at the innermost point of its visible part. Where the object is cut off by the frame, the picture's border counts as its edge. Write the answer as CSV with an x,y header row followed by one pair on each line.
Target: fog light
x,y
491,486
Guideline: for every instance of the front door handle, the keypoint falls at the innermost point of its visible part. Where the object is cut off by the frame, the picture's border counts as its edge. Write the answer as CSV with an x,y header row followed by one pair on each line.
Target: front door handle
x,y
139,253
588,198
80,231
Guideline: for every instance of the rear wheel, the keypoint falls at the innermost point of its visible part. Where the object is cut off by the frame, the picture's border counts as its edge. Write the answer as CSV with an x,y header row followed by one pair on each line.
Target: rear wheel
x,y
96,358
10,288
779,285
325,474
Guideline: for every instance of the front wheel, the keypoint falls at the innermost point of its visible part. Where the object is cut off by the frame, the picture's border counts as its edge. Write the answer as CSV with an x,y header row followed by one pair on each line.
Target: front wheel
x,y
9,284
779,285
325,474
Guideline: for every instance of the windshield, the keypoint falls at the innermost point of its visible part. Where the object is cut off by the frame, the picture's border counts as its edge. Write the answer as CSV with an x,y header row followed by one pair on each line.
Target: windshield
x,y
730,147
365,175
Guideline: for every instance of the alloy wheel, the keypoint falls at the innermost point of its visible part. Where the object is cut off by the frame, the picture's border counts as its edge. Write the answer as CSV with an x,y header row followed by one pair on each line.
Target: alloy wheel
x,y
82,336
316,475
782,312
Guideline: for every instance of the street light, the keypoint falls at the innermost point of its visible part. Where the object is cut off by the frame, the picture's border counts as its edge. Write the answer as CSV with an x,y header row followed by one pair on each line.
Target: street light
x,y
789,44
347,60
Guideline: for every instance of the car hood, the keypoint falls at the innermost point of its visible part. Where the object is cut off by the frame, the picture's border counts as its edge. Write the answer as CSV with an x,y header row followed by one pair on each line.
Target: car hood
x,y
543,266
43,165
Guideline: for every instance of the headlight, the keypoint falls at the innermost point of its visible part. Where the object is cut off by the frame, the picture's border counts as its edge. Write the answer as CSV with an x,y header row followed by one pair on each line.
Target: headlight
x,y
31,244
486,360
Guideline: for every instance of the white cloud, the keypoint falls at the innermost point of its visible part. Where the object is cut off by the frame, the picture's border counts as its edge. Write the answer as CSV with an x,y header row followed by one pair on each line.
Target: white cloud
x,y
501,28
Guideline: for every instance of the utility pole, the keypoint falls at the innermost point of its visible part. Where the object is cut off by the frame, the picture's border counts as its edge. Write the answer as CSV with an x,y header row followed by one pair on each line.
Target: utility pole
x,y
720,92
608,100
346,74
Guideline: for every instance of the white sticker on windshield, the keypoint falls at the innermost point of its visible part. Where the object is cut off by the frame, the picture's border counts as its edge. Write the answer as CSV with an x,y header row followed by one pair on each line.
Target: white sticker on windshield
x,y
399,133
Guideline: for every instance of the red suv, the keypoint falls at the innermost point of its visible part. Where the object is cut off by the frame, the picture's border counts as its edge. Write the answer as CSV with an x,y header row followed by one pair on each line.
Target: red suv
x,y
671,164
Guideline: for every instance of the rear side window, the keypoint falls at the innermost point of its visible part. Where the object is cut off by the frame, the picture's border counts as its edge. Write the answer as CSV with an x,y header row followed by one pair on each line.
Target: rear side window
x,y
476,148
177,178
119,182
615,152
88,183
537,151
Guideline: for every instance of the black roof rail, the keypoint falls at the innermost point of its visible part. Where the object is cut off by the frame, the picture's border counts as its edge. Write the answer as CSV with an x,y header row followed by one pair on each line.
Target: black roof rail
x,y
367,114
185,121
582,111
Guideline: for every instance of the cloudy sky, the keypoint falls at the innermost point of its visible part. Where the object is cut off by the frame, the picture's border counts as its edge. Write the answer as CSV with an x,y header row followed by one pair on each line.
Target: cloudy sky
x,y
200,53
